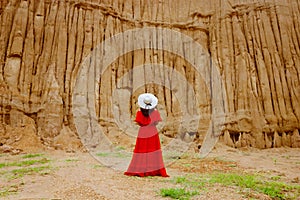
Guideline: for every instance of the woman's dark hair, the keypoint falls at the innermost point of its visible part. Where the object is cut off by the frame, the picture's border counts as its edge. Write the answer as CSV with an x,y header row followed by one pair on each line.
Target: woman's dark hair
x,y
147,112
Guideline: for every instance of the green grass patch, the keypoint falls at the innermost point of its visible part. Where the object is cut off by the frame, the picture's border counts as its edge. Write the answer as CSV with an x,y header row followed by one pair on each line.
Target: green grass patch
x,y
243,182
72,160
274,189
12,172
228,179
32,155
275,178
3,165
18,169
194,182
21,172
24,163
103,154
279,190
177,193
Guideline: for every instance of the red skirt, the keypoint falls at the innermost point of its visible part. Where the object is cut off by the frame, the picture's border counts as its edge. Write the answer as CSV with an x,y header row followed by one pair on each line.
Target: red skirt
x,y
147,157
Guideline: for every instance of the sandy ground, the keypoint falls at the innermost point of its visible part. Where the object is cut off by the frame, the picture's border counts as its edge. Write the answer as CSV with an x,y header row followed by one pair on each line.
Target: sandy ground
x,y
78,175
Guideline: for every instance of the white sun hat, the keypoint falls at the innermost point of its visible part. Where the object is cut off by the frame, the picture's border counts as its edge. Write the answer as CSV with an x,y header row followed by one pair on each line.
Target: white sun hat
x,y
147,101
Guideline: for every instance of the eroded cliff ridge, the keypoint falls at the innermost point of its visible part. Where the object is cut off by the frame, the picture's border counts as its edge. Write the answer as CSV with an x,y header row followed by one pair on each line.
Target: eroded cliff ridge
x,y
50,47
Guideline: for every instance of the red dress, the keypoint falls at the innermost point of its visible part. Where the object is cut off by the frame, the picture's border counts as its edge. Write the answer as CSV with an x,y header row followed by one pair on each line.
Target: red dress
x,y
147,157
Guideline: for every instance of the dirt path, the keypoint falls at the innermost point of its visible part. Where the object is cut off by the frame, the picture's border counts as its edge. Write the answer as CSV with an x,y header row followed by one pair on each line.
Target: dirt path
x,y
80,176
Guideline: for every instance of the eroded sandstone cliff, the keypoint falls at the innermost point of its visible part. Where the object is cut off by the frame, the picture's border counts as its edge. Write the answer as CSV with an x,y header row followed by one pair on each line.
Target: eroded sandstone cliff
x,y
253,44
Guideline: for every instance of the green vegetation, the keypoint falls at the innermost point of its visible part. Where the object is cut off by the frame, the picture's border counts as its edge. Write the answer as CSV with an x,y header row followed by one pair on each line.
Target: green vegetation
x,y
274,189
178,193
32,155
24,163
71,160
12,172
19,173
275,178
243,183
103,154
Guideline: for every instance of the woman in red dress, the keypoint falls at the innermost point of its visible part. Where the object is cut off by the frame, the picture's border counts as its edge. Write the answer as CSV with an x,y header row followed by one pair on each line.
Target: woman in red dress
x,y
147,157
